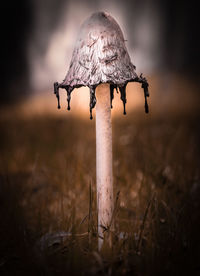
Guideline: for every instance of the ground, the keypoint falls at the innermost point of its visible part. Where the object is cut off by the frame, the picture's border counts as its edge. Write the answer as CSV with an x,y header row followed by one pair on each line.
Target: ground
x,y
47,190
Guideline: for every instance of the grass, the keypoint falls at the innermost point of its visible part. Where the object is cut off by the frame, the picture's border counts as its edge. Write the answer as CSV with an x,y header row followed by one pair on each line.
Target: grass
x,y
47,185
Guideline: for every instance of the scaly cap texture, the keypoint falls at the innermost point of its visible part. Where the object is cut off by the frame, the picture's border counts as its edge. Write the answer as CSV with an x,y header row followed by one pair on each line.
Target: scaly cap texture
x,y
100,56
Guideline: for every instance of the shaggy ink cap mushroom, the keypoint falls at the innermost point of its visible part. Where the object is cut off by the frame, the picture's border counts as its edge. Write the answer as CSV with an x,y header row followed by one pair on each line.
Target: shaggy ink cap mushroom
x,y
100,56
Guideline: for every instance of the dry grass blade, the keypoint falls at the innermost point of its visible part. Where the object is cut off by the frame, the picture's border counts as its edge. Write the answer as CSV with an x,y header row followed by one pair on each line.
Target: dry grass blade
x,y
115,210
143,224
90,219
90,207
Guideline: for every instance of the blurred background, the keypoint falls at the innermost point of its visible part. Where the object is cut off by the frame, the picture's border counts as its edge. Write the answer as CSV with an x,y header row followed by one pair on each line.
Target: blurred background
x,y
47,156
39,36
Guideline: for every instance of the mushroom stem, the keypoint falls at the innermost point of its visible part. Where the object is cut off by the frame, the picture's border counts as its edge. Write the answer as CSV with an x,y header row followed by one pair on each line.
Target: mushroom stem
x,y
104,174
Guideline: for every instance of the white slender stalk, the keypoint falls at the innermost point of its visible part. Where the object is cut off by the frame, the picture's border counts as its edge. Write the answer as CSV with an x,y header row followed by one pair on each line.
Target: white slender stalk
x,y
104,174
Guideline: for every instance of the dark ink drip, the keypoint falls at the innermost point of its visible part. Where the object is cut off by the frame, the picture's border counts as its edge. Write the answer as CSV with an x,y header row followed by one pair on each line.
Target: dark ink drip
x,y
123,96
146,92
146,106
112,87
92,100
56,92
69,91
68,99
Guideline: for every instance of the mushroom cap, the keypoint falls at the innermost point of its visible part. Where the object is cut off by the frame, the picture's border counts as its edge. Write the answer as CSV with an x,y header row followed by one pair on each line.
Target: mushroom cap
x,y
100,55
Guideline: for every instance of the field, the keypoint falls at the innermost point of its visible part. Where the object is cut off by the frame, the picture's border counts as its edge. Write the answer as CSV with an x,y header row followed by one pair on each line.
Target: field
x,y
48,193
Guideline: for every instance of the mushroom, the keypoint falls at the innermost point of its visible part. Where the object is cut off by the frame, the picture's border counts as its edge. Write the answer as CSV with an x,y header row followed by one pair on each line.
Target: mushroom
x,y
101,61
